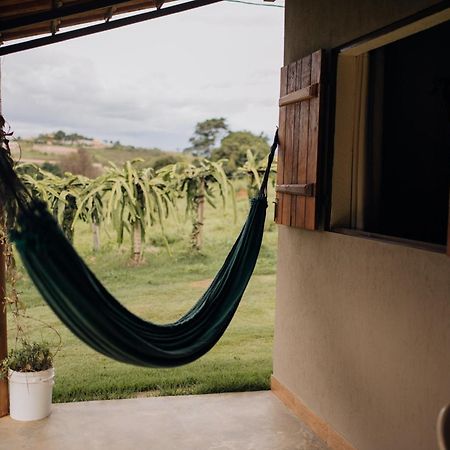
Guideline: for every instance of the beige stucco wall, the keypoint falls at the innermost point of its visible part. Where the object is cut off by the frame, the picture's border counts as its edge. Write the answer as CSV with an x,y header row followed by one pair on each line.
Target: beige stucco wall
x,y
314,24
362,332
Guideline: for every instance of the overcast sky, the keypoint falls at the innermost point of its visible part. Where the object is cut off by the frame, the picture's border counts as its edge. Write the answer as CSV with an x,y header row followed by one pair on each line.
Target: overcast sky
x,y
149,84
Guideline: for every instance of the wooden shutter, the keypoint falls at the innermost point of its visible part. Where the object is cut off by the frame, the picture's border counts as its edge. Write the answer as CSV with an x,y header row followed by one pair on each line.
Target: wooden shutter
x,y
299,133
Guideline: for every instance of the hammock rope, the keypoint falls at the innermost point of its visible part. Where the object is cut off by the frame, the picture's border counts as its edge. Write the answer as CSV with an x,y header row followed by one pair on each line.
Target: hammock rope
x,y
86,307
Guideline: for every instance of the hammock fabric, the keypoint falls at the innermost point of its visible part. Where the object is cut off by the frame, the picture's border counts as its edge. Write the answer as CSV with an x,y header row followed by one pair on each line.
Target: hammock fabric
x,y
81,302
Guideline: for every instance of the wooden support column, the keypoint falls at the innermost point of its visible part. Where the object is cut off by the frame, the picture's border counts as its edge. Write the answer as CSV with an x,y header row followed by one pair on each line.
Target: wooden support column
x,y
4,403
4,399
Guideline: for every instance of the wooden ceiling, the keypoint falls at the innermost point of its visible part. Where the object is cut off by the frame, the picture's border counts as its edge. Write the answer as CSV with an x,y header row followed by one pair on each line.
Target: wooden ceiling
x,y
25,18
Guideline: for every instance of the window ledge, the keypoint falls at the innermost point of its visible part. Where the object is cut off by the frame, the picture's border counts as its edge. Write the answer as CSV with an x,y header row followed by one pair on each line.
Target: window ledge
x,y
391,239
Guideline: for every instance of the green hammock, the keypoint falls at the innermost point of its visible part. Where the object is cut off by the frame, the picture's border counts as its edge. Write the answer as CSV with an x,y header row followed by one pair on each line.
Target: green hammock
x,y
97,318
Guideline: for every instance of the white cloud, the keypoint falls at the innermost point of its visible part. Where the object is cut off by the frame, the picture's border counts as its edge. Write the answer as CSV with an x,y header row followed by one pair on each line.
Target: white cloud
x,y
148,84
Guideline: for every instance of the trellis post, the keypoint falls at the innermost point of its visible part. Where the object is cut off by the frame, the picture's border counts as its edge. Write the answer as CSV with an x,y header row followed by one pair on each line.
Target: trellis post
x,y
4,406
4,401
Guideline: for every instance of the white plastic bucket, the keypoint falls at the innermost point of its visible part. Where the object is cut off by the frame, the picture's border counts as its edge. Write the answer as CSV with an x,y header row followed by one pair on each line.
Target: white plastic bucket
x,y
30,394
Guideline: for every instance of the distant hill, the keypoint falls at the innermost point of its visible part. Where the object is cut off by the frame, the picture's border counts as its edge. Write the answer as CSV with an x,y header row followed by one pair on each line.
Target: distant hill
x,y
57,148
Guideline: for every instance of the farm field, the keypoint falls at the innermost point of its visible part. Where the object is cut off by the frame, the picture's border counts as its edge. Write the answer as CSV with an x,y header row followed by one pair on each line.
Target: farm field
x,y
27,151
161,289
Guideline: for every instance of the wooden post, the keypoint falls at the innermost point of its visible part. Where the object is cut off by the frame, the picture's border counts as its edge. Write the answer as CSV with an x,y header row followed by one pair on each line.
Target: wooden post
x,y
4,399
4,403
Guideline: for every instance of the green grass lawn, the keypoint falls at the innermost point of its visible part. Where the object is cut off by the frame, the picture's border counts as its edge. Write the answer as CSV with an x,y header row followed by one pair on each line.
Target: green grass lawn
x,y
161,289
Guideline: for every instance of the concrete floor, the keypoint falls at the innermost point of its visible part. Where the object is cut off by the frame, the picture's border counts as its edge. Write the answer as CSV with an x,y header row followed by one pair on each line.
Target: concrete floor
x,y
243,421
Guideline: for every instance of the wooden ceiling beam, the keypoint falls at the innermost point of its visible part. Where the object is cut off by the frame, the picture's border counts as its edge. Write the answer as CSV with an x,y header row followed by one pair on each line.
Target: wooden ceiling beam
x,y
93,29
55,13
15,9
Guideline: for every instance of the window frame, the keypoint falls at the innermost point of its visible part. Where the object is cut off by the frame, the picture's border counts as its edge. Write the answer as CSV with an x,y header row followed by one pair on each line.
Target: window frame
x,y
351,72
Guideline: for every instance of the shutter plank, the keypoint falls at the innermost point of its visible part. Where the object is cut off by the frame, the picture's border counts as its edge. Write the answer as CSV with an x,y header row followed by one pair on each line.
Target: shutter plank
x,y
300,202
281,147
313,142
289,144
295,143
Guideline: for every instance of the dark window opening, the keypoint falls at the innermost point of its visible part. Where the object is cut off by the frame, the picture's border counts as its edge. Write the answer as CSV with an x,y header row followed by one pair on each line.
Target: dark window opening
x,y
407,175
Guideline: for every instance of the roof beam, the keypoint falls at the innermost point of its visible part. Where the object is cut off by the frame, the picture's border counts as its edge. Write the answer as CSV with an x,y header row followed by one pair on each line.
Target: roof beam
x,y
110,25
56,13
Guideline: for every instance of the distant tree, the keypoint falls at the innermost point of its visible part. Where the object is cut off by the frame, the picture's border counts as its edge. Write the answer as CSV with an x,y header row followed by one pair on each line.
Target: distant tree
x,y
59,135
76,137
234,147
162,161
205,136
80,163
42,139
52,168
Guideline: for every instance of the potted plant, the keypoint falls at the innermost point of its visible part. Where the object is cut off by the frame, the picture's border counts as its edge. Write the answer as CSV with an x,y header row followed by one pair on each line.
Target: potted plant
x,y
29,368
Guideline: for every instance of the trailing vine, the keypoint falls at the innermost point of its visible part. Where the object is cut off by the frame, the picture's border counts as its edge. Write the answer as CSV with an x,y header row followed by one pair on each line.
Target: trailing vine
x,y
8,213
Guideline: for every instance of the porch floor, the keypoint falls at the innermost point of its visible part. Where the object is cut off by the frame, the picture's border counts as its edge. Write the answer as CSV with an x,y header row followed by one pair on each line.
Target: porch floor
x,y
244,421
